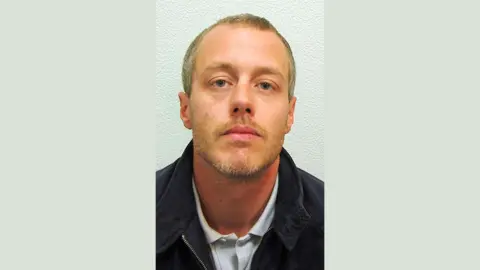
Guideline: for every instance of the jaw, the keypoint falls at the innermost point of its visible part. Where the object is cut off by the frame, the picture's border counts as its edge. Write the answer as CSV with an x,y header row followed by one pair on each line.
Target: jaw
x,y
235,159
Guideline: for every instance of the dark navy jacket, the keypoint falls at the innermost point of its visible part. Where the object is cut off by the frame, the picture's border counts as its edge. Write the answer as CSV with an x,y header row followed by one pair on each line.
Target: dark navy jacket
x,y
295,239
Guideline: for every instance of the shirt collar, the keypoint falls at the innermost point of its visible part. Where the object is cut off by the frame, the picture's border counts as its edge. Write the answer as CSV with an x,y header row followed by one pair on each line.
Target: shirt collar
x,y
259,228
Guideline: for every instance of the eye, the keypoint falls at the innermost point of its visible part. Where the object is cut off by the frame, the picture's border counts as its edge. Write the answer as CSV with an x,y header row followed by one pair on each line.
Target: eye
x,y
219,83
265,86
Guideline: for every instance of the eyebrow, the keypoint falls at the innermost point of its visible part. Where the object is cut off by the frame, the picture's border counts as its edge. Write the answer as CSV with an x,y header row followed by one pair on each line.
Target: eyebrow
x,y
219,66
261,70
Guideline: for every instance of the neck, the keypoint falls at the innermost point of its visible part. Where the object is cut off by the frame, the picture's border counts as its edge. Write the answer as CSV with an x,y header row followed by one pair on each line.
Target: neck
x,y
232,205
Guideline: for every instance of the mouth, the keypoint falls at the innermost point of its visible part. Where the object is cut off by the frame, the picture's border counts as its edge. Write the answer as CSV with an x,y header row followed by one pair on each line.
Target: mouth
x,y
242,133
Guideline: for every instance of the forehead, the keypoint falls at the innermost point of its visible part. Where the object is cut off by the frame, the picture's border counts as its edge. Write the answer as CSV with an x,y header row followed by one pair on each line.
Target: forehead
x,y
242,46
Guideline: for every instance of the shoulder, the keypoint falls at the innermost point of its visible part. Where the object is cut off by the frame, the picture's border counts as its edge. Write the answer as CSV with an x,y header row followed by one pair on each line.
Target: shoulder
x,y
311,183
162,179
313,196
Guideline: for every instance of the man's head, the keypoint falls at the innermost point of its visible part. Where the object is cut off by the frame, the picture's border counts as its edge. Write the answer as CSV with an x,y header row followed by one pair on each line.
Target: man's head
x,y
238,78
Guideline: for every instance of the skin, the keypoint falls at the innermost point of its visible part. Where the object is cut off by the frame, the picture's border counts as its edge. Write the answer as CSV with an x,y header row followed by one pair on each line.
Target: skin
x,y
240,78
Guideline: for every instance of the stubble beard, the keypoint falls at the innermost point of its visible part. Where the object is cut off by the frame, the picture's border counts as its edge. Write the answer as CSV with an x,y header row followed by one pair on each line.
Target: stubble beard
x,y
238,169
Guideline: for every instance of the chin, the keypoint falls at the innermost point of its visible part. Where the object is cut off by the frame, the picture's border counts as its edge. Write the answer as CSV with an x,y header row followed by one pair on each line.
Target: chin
x,y
237,171
236,165
237,162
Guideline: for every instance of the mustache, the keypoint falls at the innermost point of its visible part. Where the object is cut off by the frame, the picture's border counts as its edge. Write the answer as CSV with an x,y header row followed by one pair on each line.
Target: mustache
x,y
247,123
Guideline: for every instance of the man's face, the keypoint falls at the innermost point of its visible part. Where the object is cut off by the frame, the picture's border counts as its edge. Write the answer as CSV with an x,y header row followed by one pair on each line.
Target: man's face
x,y
239,110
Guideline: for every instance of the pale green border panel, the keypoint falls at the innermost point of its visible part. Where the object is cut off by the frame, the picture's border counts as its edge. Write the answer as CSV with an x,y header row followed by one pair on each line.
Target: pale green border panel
x,y
402,135
77,135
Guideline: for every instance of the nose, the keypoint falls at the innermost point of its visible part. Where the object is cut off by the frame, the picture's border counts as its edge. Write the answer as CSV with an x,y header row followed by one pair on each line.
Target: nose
x,y
241,101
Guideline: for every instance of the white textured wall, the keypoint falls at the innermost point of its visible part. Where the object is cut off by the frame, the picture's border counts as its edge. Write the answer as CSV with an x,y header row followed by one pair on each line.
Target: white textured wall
x,y
300,22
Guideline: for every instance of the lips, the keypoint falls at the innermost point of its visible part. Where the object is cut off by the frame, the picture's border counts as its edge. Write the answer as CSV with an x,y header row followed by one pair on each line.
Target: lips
x,y
242,130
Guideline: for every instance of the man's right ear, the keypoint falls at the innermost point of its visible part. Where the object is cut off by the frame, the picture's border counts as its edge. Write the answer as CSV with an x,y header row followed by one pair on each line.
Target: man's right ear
x,y
185,109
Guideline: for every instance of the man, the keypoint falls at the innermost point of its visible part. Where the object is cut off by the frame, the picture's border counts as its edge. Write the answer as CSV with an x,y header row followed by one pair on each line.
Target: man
x,y
235,199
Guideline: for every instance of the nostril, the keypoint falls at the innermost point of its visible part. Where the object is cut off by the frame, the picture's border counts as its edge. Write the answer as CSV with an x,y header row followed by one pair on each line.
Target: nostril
x,y
247,110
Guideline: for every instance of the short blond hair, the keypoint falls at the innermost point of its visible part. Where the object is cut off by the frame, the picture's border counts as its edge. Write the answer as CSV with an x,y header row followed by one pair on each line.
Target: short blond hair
x,y
245,19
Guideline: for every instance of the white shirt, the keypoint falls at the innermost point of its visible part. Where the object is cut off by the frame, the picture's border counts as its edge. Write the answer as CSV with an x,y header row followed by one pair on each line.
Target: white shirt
x,y
233,253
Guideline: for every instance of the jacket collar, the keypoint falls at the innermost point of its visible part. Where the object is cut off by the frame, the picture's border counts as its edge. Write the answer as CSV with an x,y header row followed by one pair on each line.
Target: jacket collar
x,y
176,210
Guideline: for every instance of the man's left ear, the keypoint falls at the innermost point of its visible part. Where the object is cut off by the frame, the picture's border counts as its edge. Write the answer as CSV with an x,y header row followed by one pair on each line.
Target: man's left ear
x,y
291,114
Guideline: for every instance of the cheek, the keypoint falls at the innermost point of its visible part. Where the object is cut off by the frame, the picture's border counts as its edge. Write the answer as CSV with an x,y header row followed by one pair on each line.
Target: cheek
x,y
276,123
203,122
